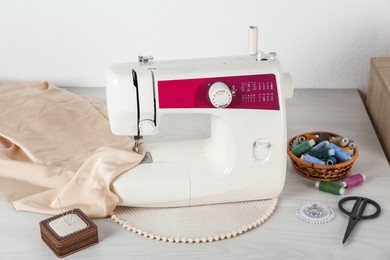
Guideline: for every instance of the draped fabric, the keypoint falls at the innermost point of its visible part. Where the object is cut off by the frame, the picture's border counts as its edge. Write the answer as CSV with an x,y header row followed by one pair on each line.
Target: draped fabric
x,y
56,148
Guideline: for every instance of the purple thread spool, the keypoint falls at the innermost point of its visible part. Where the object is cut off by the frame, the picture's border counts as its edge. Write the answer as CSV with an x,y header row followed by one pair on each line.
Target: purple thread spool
x,y
353,180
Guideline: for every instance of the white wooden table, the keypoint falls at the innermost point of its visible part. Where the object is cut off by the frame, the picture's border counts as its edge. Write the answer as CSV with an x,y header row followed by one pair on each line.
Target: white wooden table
x,y
283,236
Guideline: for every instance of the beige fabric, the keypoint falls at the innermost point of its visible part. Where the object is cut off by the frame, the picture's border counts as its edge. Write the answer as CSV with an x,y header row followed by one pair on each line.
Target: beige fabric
x,y
54,144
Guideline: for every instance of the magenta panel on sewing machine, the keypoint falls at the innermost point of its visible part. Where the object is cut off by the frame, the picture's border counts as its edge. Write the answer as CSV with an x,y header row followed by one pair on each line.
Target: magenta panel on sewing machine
x,y
248,92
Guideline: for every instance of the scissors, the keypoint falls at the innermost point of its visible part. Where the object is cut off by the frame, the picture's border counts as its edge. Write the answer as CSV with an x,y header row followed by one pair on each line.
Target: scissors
x,y
357,212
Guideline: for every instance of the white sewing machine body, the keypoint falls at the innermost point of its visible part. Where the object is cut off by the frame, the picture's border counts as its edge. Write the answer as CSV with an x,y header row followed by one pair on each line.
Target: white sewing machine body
x,y
245,156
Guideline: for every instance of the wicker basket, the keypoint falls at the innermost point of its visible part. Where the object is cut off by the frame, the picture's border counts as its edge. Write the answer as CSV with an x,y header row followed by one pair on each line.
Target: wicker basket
x,y
321,172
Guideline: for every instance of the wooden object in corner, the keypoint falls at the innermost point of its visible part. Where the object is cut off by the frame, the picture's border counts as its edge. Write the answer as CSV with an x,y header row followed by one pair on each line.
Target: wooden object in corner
x,y
69,232
378,100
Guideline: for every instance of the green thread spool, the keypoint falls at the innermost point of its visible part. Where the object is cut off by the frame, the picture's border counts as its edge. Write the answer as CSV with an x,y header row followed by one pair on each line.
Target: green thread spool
x,y
330,187
302,147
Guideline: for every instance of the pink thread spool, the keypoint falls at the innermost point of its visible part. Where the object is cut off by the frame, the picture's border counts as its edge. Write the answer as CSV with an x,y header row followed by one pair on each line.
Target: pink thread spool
x,y
353,180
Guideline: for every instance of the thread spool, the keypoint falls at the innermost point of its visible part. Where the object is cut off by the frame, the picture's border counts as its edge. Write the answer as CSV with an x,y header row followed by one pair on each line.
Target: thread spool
x,y
339,141
294,142
323,137
252,40
331,160
353,180
302,147
340,154
301,139
330,187
322,153
347,149
321,145
351,144
311,159
304,137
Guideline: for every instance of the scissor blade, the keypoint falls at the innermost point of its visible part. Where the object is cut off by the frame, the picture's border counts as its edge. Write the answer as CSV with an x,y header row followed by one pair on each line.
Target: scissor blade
x,y
351,224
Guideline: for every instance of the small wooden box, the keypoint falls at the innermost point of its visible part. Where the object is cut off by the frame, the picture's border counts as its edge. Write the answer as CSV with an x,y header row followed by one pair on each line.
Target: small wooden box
x,y
378,100
69,232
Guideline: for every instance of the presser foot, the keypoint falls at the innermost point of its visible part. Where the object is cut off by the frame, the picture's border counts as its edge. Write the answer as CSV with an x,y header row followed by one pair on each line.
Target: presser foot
x,y
136,147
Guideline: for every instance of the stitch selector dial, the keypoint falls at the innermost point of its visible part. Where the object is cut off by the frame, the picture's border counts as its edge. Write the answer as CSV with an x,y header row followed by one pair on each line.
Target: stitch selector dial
x,y
220,95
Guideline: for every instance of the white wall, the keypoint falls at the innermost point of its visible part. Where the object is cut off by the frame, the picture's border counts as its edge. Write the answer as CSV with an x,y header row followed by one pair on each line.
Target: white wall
x,y
323,43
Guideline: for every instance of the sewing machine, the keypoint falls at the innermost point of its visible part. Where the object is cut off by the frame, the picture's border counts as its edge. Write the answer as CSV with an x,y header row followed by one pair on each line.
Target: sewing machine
x,y
245,156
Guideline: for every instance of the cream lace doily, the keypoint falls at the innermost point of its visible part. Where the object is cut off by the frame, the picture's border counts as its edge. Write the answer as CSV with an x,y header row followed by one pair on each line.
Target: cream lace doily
x,y
195,224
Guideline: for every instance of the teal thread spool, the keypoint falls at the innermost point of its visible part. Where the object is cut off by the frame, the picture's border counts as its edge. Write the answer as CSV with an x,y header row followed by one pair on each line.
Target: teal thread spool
x,y
302,147
330,187
322,153
331,160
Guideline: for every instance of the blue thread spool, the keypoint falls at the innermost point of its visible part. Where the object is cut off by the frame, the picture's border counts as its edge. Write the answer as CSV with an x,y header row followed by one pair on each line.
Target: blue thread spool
x,y
320,145
340,154
302,147
331,160
310,159
330,187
